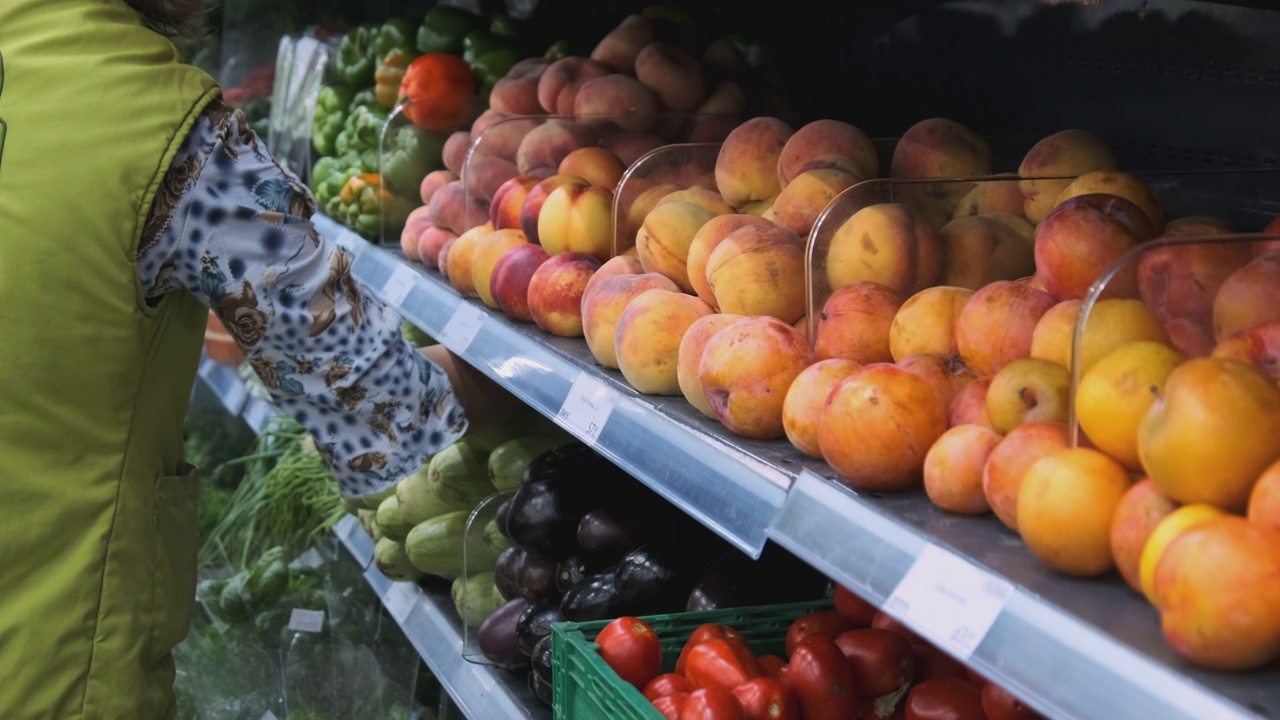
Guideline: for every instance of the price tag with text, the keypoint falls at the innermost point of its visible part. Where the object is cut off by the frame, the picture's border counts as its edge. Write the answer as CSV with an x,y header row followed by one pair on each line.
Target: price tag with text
x,y
587,406
463,326
302,620
949,600
399,284
400,599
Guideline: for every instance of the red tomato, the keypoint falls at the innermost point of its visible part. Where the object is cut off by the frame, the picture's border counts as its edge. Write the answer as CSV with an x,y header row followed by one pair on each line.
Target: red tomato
x,y
976,677
667,684
720,663
881,660
671,705
1000,704
767,699
885,621
853,608
932,663
822,680
631,648
945,699
711,703
867,711
815,623
704,633
771,664
784,674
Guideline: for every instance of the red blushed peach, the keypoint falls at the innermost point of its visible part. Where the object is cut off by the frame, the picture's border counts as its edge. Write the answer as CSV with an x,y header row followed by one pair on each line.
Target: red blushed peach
x,y
802,408
675,76
497,135
1053,162
1264,500
886,243
442,259
997,324
1181,281
555,292
485,174
1122,185
511,276
1259,346
603,302
619,265
1248,297
939,148
1077,242
745,372
531,207
926,322
953,469
977,250
559,85
758,270
596,165
854,323
877,426
504,210
630,146
616,101
431,242
516,93
618,49
647,340
824,139
804,198
455,151
664,238
453,208
1264,247
689,358
488,250
969,405
1009,461
417,221
1140,511
705,241
433,181
946,374
747,164
547,145
992,197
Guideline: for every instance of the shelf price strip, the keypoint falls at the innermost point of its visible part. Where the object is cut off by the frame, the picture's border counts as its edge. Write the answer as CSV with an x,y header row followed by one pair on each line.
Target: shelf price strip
x,y
400,599
399,284
587,407
463,326
949,600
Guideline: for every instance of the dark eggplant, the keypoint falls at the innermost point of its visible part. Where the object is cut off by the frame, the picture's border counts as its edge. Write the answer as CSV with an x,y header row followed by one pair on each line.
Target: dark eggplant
x,y
575,568
506,572
497,634
541,660
504,511
610,531
736,581
535,623
525,574
595,598
575,461
544,516
659,581
541,688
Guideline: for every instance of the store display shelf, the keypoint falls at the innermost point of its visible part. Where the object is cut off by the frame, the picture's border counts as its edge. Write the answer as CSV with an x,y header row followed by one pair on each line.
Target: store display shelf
x,y
428,619
224,381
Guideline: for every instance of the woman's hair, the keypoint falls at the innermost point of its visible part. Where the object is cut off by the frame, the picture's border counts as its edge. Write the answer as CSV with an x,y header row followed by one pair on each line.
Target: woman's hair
x,y
179,20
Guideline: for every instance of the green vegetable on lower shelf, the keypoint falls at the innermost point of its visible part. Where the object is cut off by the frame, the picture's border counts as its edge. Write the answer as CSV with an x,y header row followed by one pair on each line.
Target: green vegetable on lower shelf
x,y
329,118
435,547
360,135
410,153
508,461
392,560
391,521
473,597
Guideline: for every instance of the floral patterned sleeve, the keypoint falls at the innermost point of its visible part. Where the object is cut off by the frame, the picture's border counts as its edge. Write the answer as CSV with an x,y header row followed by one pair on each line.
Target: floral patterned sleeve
x,y
232,227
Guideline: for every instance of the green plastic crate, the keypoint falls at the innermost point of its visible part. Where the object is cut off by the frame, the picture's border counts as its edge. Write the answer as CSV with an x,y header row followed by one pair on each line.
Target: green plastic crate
x,y
585,688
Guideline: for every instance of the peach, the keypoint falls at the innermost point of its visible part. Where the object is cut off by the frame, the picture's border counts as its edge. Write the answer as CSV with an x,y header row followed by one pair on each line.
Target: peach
x,y
995,326
705,241
689,357
1181,281
1052,336
757,270
992,197
802,408
722,58
925,323
1008,463
706,197
433,181
498,135
663,241
484,174
460,258
1117,391
1191,441
516,93
1112,323
1136,517
1065,506
418,220
555,292
1182,519
1190,336
545,146
1053,162
720,113
559,85
512,273
454,154
630,146
953,469
826,138
747,165
452,208
886,243
603,302
1264,500
939,148
647,341
877,426
577,217
745,372
484,257
619,265
978,250
616,101
969,405
1249,296
1122,185
598,166
620,46
1197,225
1264,247
1028,390
946,374
508,199
675,76
855,322
1080,239
536,198
637,199
1220,592
442,259
1259,346
431,242
804,198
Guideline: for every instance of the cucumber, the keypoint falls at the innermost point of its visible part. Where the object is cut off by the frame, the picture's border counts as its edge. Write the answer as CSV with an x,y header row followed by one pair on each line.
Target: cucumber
x,y
418,500
508,461
391,521
458,475
392,560
435,547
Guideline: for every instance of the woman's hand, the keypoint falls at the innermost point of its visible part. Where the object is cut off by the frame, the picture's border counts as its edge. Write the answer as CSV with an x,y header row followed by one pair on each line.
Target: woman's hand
x,y
484,402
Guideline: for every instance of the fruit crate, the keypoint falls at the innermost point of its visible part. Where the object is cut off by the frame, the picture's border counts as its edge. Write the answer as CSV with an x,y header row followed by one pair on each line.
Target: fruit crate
x,y
585,688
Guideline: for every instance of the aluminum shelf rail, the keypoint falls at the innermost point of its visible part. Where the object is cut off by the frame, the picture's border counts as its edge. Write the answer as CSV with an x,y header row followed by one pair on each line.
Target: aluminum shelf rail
x,y
225,383
427,617
1073,648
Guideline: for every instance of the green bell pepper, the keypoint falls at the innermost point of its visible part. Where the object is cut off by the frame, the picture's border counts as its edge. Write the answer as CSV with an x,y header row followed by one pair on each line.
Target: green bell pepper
x,y
329,118
558,50
395,35
443,28
324,173
505,25
360,135
491,67
410,154
356,61
480,42
365,98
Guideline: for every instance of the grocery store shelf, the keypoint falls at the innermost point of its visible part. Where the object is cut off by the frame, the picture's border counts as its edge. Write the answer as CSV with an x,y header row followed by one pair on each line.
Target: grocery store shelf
x,y
224,381
344,238
429,621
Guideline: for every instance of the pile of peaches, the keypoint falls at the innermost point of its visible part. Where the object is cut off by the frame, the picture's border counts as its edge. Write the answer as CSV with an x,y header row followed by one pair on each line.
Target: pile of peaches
x,y
940,353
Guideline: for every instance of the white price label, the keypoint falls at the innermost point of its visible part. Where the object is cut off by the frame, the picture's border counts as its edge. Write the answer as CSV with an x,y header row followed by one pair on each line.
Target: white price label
x,y
400,599
949,600
463,326
587,406
302,620
256,414
310,558
399,284
268,715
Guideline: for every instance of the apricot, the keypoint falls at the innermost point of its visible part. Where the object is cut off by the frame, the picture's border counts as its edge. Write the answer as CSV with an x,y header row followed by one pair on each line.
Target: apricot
x,y
995,326
1248,297
1007,465
886,243
855,322
1053,162
705,241
758,269
689,357
1116,393
647,340
946,374
953,468
1028,390
1065,506
1264,500
745,372
969,405
979,250
802,408
1136,517
1166,531
926,322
